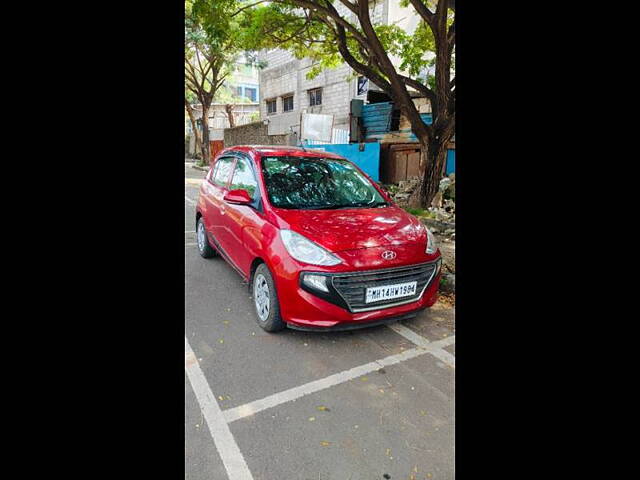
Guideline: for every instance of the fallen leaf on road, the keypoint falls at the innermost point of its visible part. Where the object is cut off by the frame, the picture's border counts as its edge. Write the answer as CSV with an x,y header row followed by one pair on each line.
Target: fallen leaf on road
x,y
322,408
312,419
221,340
226,322
325,444
364,379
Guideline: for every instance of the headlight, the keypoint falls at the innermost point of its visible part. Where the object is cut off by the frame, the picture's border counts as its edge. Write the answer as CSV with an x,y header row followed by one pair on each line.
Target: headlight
x,y
304,250
432,245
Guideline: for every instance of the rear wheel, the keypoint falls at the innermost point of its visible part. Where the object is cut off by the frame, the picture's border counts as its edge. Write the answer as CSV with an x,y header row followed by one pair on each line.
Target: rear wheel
x,y
265,300
206,250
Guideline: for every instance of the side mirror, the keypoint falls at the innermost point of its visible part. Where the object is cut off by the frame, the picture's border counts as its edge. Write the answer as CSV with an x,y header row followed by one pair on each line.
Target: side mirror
x,y
238,197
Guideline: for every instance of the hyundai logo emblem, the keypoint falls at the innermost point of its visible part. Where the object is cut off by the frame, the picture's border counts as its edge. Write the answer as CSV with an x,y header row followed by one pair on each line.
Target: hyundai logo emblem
x,y
388,255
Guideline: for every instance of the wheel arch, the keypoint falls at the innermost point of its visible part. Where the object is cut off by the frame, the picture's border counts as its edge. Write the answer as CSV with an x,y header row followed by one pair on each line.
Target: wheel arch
x,y
252,270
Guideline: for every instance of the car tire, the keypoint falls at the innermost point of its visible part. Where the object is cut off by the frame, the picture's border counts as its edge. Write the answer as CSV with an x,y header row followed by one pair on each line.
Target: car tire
x,y
205,250
265,300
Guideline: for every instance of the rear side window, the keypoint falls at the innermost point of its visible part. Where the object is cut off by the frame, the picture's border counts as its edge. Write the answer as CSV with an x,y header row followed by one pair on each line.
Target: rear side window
x,y
243,178
222,171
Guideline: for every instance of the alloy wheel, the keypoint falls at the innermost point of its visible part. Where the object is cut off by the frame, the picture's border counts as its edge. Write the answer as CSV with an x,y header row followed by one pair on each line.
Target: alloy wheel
x,y
261,297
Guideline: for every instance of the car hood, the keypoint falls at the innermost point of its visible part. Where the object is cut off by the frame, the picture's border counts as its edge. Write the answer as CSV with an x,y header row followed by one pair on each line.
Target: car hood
x,y
339,230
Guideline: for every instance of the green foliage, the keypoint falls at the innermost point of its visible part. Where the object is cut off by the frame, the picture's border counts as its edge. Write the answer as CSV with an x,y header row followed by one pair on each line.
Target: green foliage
x,y
418,212
227,95
214,42
282,25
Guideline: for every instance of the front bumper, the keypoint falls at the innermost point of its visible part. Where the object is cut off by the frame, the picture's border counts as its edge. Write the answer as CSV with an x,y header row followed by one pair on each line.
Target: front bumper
x,y
304,308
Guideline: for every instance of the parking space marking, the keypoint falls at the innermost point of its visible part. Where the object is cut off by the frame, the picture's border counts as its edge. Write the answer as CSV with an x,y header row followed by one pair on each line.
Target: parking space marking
x,y
445,357
409,334
191,202
232,458
421,341
189,231
190,244
294,393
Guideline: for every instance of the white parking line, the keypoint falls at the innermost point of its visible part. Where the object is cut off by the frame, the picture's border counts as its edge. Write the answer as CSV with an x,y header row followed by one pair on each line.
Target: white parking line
x,y
292,394
192,202
190,244
228,449
421,341
189,231
409,334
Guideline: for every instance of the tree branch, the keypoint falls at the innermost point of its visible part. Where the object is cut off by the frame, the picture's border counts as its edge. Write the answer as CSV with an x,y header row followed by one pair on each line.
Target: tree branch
x,y
426,14
333,13
426,91
245,7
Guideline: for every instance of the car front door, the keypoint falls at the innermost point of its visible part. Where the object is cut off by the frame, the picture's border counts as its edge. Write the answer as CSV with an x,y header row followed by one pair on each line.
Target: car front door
x,y
215,187
244,222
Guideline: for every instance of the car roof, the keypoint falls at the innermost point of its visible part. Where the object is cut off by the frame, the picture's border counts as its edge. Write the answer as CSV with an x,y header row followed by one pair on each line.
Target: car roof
x,y
281,150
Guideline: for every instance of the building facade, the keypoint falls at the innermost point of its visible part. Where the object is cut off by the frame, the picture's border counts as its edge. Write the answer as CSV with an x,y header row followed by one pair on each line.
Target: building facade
x,y
287,93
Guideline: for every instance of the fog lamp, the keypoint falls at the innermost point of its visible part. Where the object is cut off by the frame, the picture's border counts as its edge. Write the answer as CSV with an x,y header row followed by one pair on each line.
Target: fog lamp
x,y
317,282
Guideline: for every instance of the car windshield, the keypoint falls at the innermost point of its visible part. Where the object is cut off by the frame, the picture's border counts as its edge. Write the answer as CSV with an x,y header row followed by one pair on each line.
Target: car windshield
x,y
317,183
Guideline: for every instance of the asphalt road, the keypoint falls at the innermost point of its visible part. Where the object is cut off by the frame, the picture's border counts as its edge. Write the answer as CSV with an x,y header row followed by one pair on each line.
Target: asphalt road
x,y
371,404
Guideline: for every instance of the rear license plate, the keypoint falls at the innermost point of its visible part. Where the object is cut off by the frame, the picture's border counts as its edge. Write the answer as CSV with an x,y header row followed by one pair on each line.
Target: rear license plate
x,y
388,292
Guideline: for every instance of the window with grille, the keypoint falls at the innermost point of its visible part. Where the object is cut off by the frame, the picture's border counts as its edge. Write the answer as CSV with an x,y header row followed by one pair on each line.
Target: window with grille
x,y
287,103
251,93
315,97
271,106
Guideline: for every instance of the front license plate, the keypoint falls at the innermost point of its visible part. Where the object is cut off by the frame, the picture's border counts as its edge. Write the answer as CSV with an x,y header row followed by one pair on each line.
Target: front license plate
x,y
388,292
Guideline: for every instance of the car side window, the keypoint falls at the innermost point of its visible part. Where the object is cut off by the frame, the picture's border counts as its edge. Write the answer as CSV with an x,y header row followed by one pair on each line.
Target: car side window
x,y
222,171
243,178
212,172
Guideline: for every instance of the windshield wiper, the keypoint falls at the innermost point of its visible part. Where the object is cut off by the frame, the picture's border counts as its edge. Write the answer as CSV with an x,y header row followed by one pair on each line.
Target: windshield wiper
x,y
315,207
342,206
364,205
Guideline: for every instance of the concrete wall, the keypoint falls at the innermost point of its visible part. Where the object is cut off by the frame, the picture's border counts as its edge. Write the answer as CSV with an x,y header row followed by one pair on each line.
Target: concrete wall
x,y
368,159
254,134
284,75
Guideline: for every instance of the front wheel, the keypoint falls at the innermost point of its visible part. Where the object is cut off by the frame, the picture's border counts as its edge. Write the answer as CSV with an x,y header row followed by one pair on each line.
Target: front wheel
x,y
265,300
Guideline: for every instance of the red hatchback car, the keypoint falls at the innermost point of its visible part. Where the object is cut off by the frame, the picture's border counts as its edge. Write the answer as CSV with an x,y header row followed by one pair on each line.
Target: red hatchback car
x,y
321,246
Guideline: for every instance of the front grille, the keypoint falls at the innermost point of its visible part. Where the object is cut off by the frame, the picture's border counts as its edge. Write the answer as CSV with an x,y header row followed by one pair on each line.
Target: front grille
x,y
352,287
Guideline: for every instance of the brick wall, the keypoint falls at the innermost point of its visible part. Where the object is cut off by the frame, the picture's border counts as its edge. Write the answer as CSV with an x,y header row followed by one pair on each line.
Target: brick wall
x,y
254,134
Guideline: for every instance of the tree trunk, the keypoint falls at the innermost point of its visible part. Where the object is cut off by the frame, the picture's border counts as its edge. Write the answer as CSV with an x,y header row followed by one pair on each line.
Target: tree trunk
x,y
232,120
434,155
194,125
206,146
